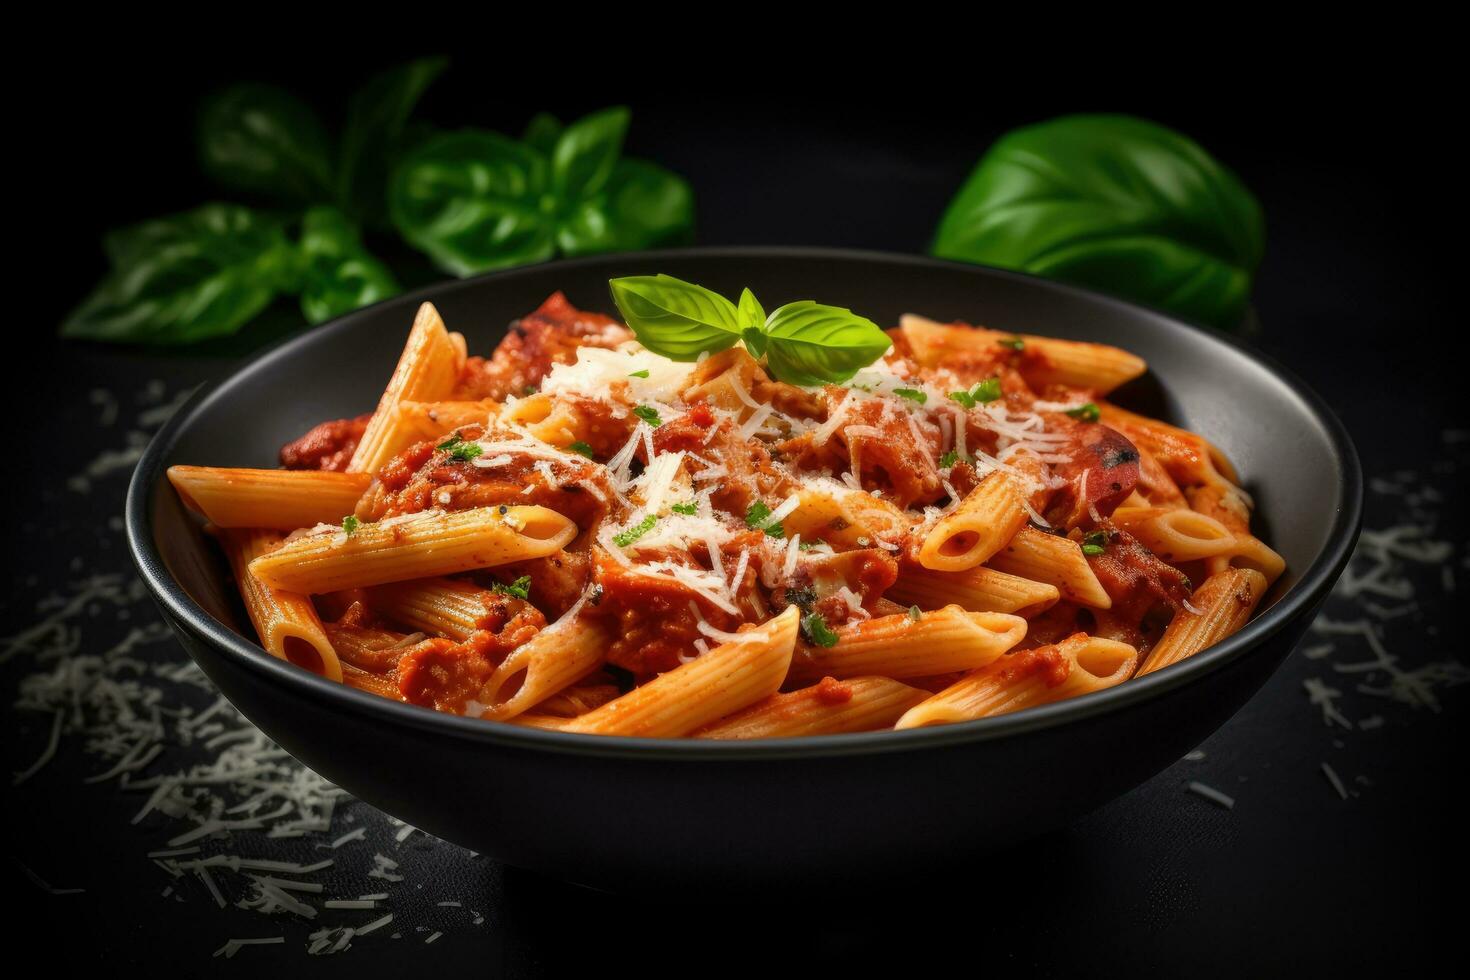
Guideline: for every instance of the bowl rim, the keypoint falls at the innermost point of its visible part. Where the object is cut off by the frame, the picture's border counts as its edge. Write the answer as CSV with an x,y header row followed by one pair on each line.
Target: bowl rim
x,y
1315,580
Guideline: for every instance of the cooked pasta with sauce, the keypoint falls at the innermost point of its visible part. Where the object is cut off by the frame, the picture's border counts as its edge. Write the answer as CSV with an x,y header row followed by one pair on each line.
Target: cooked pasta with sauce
x,y
700,520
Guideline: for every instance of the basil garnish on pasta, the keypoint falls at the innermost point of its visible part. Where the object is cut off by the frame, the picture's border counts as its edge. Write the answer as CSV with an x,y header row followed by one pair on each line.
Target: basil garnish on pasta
x,y
802,343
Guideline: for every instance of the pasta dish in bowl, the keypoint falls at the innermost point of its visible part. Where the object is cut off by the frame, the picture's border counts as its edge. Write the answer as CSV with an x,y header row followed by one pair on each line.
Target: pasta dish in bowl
x,y
681,583
708,522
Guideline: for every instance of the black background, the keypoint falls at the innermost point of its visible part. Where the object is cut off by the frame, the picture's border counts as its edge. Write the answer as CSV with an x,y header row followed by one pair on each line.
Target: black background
x,y
1358,177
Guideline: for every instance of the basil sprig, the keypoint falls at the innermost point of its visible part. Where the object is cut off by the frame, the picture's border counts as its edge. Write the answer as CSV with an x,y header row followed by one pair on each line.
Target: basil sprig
x,y
802,343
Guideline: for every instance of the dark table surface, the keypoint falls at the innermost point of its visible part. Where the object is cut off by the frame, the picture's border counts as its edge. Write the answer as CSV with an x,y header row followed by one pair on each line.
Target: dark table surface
x,y
1295,875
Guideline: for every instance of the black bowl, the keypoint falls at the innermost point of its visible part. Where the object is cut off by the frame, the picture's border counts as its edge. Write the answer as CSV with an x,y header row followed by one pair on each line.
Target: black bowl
x,y
623,812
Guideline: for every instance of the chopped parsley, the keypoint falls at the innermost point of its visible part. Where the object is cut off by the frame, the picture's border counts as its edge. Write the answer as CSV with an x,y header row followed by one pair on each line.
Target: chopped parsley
x,y
648,414
350,524
466,451
949,459
1095,543
757,517
1085,413
983,393
1014,343
690,508
814,628
912,394
530,390
520,588
638,374
451,442
915,614
581,449
627,537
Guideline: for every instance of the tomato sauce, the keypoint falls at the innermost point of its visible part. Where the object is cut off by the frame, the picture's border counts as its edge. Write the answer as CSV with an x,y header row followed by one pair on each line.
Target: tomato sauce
x,y
328,446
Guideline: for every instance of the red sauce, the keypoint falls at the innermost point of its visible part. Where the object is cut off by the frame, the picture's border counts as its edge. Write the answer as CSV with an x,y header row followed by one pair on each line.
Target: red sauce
x,y
1046,661
551,335
1135,578
829,690
328,446
445,675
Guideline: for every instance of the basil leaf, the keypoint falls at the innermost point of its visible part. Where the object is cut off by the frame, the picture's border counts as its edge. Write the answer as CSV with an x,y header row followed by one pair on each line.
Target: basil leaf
x,y
542,132
263,140
339,275
586,152
642,206
676,318
750,312
202,273
374,134
472,201
1115,203
812,344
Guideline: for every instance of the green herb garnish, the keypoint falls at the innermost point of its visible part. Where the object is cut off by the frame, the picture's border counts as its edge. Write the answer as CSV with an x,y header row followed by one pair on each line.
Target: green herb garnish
x,y
1085,413
689,509
520,588
1095,543
1014,343
581,449
450,443
350,524
757,518
625,538
802,343
912,394
814,628
466,451
949,459
983,393
648,414
638,374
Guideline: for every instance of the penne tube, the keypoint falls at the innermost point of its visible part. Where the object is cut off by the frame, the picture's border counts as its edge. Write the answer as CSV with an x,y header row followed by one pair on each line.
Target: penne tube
x,y
1224,602
692,695
550,723
366,648
439,606
1190,459
427,371
363,680
846,519
1251,552
414,546
861,704
1055,560
1176,535
978,589
285,621
432,420
1078,665
576,700
279,499
988,517
901,646
554,659
1044,360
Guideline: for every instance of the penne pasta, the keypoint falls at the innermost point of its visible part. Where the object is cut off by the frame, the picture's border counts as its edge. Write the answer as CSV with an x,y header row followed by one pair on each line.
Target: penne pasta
x,y
427,371
988,517
1224,602
557,657
975,589
730,677
278,499
1045,361
935,554
902,646
1078,665
438,606
1055,560
861,704
416,546
1176,535
285,621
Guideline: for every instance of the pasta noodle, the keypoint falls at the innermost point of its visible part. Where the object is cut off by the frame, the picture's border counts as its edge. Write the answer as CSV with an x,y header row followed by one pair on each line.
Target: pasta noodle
x,y
577,534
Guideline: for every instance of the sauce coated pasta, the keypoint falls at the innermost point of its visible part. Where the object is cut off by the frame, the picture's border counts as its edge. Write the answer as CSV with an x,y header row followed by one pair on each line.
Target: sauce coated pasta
x,y
582,534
